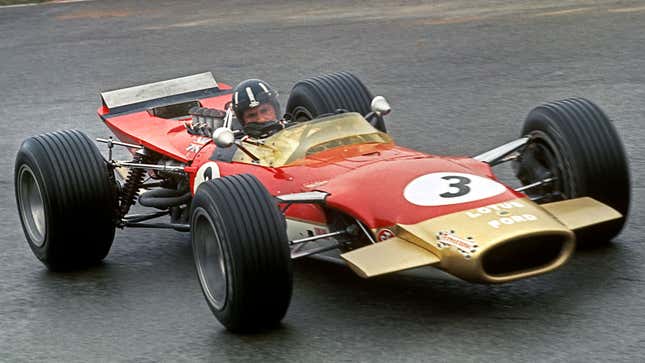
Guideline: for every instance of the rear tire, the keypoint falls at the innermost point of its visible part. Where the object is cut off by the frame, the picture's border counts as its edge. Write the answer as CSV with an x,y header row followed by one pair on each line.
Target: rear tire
x,y
316,96
574,141
66,198
241,253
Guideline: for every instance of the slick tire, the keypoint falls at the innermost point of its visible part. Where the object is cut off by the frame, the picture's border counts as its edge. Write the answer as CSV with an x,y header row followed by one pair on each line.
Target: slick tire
x,y
241,253
577,143
316,96
67,199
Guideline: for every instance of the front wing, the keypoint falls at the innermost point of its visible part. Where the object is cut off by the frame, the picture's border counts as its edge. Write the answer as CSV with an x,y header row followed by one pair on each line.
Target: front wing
x,y
491,244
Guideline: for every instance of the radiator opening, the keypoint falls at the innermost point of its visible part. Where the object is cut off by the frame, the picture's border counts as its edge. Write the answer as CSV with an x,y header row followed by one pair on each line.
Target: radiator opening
x,y
523,255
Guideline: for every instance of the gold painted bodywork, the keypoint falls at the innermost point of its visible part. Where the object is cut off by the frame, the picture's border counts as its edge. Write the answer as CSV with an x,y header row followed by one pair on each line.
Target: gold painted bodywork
x,y
394,254
581,212
475,244
298,141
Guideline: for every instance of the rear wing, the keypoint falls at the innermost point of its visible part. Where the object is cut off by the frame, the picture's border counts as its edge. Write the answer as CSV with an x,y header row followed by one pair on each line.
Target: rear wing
x,y
162,93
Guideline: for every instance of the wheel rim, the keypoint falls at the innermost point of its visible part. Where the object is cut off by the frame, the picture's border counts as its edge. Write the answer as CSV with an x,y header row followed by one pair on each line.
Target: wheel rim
x,y
540,160
209,259
32,208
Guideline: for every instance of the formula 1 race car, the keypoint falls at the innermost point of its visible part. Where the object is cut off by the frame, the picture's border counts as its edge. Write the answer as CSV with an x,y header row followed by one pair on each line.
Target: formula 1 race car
x,y
332,180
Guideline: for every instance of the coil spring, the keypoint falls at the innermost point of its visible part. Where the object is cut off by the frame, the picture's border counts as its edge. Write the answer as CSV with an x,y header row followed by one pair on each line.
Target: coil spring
x,y
132,184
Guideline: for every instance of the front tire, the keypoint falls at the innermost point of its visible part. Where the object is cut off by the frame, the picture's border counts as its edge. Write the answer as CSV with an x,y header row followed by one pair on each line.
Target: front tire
x,y
241,253
574,142
66,199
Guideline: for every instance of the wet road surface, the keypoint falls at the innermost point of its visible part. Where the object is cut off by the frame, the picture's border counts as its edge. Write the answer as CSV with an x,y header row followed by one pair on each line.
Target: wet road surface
x,y
460,75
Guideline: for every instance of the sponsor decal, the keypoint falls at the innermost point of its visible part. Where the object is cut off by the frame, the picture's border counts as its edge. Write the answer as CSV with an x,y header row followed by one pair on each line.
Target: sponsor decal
x,y
193,148
496,223
500,209
437,189
466,246
384,234
197,144
201,140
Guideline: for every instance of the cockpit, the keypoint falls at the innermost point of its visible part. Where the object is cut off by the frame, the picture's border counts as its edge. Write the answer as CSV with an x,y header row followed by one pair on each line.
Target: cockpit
x,y
300,140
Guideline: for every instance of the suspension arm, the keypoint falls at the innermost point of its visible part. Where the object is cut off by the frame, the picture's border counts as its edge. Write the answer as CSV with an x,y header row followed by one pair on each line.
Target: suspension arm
x,y
498,155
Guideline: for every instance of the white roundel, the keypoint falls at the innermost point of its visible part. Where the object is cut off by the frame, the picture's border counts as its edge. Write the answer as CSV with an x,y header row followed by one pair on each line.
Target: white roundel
x,y
206,172
447,188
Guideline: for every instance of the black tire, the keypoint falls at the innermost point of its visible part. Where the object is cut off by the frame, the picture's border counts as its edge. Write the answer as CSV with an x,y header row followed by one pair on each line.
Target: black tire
x,y
241,253
574,141
67,199
316,96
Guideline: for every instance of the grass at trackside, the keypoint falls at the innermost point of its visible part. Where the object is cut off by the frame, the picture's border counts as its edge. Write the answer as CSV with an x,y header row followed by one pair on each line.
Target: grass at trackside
x,y
14,2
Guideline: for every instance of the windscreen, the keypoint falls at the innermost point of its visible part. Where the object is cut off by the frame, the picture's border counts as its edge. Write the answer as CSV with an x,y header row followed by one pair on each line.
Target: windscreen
x,y
307,138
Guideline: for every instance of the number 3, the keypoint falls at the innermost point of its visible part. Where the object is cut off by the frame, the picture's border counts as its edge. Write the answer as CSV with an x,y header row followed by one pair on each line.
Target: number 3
x,y
460,184
447,188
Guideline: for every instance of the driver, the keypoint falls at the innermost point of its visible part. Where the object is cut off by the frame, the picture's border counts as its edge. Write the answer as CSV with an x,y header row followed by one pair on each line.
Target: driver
x,y
256,106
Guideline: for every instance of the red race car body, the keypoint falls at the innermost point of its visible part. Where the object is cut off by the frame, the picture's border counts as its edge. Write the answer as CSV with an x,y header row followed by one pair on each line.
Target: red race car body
x,y
363,173
331,179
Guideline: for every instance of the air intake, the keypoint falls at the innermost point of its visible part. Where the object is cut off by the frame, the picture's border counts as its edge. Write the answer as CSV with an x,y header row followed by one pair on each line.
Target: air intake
x,y
524,255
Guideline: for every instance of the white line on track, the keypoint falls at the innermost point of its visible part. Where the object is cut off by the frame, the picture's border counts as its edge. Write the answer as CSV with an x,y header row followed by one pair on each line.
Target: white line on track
x,y
18,5
43,3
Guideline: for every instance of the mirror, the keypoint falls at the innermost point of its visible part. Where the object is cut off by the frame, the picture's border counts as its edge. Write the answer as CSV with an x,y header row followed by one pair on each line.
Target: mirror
x,y
223,137
380,106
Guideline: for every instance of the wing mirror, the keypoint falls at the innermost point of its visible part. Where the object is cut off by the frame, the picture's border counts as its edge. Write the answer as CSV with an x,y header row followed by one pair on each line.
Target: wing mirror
x,y
380,106
223,137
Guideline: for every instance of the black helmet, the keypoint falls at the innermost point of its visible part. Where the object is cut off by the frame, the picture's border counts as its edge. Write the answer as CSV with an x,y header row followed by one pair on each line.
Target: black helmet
x,y
252,93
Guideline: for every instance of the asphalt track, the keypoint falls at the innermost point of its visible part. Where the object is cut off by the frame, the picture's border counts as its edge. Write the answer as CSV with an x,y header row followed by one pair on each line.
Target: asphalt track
x,y
460,75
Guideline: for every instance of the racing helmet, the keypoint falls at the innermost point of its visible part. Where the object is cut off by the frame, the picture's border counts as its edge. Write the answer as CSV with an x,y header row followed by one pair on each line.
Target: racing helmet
x,y
252,93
